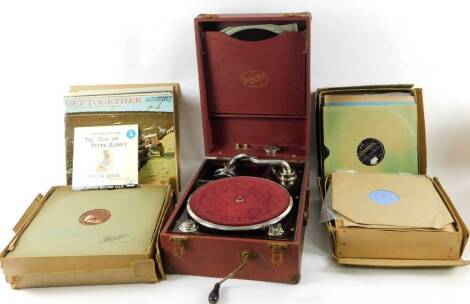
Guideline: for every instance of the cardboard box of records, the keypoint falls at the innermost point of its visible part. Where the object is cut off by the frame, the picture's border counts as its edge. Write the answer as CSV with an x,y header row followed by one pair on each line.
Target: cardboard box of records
x,y
99,236
379,206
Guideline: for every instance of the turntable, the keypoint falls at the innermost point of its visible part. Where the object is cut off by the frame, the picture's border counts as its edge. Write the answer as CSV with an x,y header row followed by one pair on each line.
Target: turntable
x,y
239,204
243,213
247,198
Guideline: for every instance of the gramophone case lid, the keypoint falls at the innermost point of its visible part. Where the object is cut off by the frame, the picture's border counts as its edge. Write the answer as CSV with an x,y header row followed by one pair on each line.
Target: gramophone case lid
x,y
372,89
152,106
254,94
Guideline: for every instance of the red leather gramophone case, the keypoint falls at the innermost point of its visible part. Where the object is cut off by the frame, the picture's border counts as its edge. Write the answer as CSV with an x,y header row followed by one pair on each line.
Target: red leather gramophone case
x,y
254,94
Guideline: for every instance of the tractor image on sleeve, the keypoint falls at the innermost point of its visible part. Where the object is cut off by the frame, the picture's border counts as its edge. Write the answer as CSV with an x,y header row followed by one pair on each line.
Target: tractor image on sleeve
x,y
151,143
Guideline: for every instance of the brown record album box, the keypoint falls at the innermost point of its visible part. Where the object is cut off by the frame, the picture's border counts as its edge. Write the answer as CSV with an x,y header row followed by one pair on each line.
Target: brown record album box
x,y
255,104
68,238
389,247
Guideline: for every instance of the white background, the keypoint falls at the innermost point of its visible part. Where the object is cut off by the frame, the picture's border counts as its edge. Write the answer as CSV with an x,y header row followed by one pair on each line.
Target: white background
x,y
46,46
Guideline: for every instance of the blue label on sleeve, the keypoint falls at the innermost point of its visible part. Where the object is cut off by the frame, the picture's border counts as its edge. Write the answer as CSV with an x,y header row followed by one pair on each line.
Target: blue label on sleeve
x,y
131,134
384,197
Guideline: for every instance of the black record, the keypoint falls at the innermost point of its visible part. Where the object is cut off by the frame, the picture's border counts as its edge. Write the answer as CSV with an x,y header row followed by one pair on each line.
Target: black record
x,y
253,34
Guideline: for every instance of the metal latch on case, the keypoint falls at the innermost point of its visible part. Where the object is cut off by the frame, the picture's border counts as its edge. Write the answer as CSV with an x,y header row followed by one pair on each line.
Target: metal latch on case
x,y
307,205
271,150
277,253
178,245
238,146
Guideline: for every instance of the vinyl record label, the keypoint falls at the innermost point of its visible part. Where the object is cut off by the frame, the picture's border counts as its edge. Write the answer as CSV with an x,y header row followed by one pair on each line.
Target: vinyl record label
x,y
370,151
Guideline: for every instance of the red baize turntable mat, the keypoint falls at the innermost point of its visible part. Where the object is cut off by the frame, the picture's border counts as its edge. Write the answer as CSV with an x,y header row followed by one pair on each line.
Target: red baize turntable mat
x,y
240,201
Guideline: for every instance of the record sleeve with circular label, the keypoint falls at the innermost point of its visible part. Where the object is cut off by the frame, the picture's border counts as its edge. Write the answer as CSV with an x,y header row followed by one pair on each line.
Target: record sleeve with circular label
x,y
370,133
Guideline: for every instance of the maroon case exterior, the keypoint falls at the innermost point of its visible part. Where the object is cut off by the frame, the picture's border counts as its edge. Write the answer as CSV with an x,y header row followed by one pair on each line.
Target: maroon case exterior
x,y
253,94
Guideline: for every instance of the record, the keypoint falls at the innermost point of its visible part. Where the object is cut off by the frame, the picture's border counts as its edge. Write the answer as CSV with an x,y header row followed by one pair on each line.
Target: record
x,y
239,203
94,222
370,133
389,200
256,32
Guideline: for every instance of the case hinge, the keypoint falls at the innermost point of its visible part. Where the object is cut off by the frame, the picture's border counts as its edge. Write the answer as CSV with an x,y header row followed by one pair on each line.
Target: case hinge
x,y
301,14
178,245
211,16
277,253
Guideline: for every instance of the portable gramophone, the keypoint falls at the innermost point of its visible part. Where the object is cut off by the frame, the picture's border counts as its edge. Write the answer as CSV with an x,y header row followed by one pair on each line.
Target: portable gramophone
x,y
243,213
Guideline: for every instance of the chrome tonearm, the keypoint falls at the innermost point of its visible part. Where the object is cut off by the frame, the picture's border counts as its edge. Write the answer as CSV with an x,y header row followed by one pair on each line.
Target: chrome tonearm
x,y
286,175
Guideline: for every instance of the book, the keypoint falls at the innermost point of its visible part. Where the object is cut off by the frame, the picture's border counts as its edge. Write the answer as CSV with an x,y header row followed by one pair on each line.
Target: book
x,y
105,157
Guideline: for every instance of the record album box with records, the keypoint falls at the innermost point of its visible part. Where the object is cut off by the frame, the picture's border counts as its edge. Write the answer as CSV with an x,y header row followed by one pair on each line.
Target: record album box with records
x,y
379,206
92,237
246,204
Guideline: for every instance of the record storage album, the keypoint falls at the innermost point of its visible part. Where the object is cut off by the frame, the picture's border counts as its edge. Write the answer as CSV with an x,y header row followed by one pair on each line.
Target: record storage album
x,y
370,133
94,222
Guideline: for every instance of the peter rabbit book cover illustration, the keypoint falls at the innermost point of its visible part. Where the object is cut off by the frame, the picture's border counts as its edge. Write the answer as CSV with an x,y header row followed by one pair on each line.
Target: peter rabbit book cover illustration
x,y
105,157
